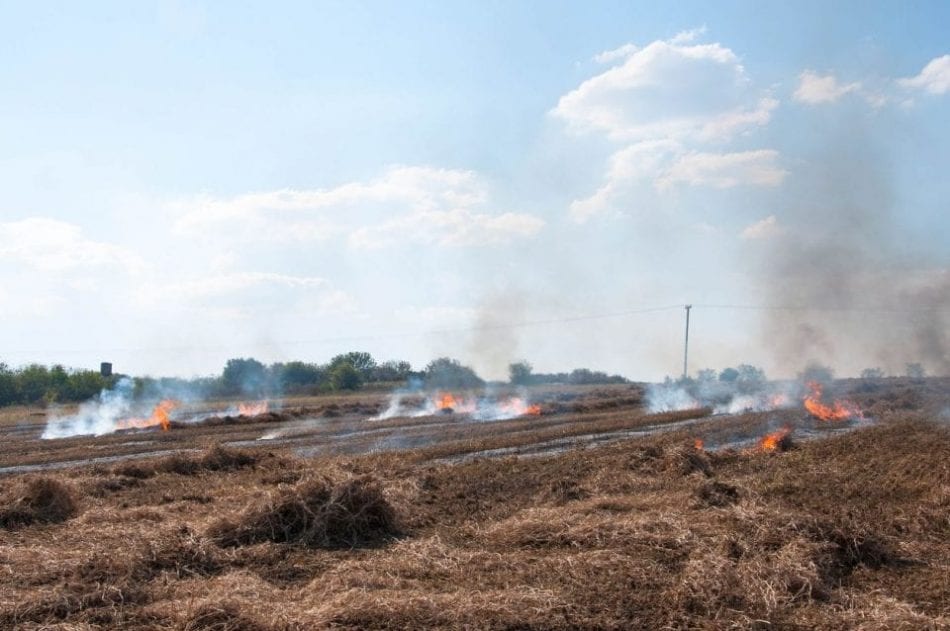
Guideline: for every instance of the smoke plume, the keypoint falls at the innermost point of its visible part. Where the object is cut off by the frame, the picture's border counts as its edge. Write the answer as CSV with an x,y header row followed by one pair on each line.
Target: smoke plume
x,y
844,282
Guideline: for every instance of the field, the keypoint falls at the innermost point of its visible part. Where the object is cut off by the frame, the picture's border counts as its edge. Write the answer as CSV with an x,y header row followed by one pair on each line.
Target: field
x,y
593,515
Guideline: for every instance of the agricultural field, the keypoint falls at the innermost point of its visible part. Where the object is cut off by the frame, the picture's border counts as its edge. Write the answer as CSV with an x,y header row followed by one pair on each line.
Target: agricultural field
x,y
582,510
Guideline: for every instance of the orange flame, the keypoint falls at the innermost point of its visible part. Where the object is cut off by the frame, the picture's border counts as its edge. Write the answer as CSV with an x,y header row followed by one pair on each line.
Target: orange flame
x,y
837,411
778,400
446,401
516,406
771,442
253,408
698,444
160,417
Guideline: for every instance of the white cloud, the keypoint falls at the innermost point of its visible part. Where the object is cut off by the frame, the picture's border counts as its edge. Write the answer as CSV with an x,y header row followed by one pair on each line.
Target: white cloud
x,y
684,37
725,170
616,54
664,164
762,229
664,104
415,204
666,89
51,245
934,78
728,124
637,162
814,88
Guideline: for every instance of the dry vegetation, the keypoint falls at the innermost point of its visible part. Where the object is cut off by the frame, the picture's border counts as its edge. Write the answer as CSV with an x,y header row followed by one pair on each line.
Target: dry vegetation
x,y
851,531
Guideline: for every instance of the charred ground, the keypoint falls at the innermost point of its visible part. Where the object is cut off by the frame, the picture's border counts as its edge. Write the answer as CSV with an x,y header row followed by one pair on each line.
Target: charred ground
x,y
846,530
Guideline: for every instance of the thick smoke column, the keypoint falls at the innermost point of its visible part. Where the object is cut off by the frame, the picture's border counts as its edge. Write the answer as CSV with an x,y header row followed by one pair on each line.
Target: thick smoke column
x,y
845,283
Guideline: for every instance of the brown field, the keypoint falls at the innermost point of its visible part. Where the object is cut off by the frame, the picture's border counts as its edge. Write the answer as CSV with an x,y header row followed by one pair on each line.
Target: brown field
x,y
595,515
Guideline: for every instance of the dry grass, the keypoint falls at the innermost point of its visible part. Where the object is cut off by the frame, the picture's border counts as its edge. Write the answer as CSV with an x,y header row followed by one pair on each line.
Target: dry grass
x,y
38,499
847,532
215,458
315,513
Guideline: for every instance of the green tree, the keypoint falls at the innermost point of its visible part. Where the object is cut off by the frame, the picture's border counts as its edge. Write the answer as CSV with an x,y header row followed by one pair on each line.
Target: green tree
x,y
244,376
297,375
872,373
519,373
446,372
750,379
85,384
33,381
345,376
9,393
392,371
361,361
729,375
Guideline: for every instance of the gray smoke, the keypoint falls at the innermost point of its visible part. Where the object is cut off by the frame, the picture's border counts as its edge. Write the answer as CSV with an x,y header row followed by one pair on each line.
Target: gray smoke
x,y
845,283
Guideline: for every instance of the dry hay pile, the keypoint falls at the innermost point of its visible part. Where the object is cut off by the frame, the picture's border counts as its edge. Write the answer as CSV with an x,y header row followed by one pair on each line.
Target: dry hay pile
x,y
317,513
37,500
215,458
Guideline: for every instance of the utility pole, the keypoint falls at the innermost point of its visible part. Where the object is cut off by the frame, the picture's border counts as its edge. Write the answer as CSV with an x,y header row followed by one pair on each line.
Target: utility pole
x,y
686,344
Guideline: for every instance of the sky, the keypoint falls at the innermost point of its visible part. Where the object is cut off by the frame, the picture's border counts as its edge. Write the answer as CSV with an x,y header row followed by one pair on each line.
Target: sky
x,y
186,182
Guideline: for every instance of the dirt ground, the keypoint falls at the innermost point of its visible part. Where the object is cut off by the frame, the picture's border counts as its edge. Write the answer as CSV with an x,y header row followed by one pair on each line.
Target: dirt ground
x,y
594,515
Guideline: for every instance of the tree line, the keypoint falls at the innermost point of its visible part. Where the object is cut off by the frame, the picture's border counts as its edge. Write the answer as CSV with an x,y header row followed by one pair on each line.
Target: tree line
x,y
35,384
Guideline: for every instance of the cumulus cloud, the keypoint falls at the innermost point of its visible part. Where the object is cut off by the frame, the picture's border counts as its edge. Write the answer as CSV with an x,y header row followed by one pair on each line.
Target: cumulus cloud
x,y
416,204
51,245
671,88
725,170
814,88
616,54
762,229
934,78
666,105
684,37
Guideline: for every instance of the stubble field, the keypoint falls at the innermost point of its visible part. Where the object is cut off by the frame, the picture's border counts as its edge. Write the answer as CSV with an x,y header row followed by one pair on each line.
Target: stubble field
x,y
594,515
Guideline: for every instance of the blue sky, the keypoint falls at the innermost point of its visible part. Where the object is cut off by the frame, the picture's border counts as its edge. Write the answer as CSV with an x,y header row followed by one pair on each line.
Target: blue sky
x,y
185,182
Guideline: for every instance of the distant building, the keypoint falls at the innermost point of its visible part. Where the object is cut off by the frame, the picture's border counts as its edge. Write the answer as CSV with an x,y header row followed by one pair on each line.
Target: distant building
x,y
105,369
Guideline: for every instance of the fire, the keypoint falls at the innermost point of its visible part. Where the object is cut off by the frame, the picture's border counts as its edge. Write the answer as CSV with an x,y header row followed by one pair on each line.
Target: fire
x,y
483,409
698,444
253,408
446,402
160,416
837,411
771,442
778,400
516,406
